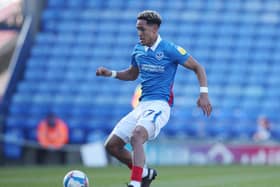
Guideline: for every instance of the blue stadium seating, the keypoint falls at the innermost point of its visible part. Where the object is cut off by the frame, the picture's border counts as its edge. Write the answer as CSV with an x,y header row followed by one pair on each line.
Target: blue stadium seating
x,y
12,147
235,42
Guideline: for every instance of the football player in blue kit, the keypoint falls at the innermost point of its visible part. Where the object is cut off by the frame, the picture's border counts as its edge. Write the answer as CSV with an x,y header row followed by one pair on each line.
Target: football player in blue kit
x,y
155,61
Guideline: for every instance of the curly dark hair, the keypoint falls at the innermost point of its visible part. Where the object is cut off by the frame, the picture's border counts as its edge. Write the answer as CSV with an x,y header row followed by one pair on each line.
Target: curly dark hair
x,y
151,16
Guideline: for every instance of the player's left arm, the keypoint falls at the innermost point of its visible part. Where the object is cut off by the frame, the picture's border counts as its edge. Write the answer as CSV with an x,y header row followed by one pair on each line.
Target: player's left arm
x,y
203,101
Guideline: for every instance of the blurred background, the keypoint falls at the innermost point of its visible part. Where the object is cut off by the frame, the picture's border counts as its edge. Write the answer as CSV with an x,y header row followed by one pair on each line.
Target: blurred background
x,y
50,50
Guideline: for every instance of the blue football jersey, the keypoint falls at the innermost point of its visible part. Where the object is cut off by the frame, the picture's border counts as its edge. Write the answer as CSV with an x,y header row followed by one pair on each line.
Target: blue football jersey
x,y
157,68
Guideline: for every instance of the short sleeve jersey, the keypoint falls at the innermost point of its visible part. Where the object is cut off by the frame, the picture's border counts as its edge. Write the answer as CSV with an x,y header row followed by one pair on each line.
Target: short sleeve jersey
x,y
157,69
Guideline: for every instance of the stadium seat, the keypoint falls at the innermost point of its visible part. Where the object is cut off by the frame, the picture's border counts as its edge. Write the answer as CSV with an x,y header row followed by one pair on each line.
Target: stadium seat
x,y
96,136
77,135
13,143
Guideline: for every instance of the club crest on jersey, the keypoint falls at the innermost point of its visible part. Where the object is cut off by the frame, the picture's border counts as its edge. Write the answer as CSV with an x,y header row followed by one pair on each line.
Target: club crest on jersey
x,y
159,55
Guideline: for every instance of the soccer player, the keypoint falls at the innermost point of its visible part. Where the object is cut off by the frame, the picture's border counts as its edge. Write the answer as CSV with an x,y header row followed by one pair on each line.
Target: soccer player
x,y
155,60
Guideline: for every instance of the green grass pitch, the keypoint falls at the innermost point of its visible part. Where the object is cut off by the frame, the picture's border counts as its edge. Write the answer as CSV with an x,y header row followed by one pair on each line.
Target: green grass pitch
x,y
179,176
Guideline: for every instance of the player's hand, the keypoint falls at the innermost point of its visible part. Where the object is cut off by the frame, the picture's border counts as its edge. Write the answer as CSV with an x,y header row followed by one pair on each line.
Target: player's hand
x,y
101,71
204,103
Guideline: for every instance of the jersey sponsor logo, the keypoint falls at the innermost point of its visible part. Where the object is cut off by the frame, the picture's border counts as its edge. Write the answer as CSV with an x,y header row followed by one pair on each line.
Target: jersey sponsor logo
x,y
159,55
181,50
152,68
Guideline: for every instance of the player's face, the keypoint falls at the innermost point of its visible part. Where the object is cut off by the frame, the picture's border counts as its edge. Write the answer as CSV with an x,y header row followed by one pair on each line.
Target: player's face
x,y
147,33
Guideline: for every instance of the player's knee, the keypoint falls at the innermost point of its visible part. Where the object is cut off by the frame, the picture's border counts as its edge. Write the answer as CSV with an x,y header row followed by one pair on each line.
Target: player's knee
x,y
139,136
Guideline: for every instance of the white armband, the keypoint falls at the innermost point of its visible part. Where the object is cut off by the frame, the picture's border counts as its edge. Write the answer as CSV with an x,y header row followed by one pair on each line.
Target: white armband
x,y
203,89
114,74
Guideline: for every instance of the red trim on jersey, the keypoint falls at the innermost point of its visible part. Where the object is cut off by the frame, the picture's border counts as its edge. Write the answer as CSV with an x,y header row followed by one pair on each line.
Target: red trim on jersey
x,y
171,98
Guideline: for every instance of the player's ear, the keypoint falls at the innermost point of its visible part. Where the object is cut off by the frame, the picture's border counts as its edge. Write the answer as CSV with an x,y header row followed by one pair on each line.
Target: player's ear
x,y
155,28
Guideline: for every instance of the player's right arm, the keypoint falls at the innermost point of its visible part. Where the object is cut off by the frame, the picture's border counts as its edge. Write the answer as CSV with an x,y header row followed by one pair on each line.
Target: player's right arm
x,y
128,74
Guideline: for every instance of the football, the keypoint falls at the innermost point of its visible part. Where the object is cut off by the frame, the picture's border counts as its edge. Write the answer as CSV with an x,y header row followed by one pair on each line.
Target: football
x,y
75,178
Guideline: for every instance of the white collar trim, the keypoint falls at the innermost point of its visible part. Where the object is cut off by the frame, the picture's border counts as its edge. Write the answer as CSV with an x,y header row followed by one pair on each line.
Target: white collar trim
x,y
155,44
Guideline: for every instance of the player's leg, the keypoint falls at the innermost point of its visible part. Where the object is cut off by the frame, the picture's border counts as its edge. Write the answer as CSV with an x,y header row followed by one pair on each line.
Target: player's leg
x,y
138,138
154,116
115,147
120,136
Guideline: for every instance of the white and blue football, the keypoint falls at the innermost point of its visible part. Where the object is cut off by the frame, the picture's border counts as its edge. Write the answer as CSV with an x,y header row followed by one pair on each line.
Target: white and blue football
x,y
75,178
